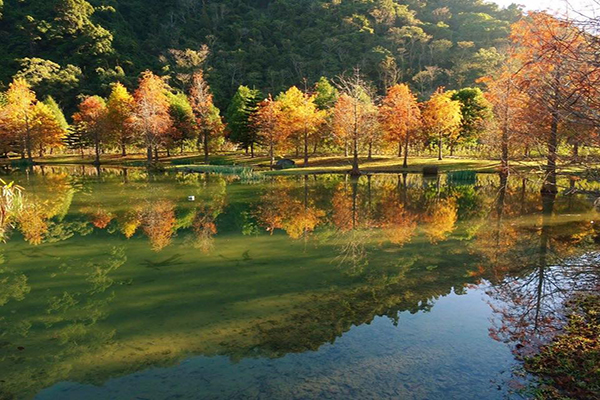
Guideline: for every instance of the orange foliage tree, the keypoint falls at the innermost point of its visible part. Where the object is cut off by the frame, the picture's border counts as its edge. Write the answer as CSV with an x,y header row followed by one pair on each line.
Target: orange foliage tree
x,y
91,120
267,121
355,115
545,48
151,112
400,117
208,120
508,105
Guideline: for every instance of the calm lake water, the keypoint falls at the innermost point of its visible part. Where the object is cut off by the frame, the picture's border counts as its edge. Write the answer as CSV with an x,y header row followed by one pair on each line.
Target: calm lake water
x,y
116,286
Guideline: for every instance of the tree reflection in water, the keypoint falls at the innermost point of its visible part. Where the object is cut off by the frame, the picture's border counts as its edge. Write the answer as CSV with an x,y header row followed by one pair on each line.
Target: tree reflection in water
x,y
281,266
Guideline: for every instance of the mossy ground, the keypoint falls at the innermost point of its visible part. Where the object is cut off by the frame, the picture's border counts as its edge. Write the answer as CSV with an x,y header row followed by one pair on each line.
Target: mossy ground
x,y
570,365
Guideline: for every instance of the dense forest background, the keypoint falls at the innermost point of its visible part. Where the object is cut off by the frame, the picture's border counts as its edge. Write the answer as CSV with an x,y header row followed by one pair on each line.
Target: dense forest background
x,y
70,47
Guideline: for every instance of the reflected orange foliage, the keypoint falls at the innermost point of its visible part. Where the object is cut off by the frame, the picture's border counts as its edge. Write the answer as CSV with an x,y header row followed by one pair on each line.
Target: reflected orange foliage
x,y
159,223
399,224
441,220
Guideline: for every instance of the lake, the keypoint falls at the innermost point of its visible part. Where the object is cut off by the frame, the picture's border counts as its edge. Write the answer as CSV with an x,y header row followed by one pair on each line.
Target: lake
x,y
116,285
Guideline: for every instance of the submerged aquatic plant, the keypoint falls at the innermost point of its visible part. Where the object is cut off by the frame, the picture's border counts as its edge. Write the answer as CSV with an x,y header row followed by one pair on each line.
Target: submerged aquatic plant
x,y
245,173
11,203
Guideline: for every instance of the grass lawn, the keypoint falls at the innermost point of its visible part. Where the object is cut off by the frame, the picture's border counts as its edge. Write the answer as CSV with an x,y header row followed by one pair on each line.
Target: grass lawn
x,y
317,164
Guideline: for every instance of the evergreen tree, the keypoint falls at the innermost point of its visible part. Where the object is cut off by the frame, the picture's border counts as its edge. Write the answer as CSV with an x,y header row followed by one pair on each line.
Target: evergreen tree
x,y
239,114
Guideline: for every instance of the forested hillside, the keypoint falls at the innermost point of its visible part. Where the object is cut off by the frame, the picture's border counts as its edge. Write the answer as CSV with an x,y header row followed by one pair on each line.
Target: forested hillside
x,y
70,47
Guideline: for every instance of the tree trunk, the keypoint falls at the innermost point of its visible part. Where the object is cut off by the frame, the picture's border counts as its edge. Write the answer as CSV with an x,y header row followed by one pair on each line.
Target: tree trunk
x,y
399,149
504,161
305,148
406,143
355,170
440,144
575,150
345,148
550,181
156,154
123,150
370,156
28,141
252,150
272,153
168,152
97,149
148,154
206,148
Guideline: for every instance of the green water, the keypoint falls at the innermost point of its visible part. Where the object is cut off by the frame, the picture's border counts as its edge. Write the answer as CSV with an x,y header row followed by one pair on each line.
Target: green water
x,y
116,286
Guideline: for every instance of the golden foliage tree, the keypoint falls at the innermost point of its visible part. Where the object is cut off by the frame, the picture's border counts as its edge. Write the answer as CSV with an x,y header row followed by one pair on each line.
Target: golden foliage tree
x,y
441,118
400,117
355,115
119,112
300,117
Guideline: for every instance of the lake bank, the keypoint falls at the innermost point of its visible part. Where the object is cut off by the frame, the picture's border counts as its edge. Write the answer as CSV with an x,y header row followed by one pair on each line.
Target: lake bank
x,y
317,165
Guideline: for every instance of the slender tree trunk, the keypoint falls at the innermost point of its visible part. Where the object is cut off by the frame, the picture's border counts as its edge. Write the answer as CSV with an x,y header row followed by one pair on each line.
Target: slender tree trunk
x,y
168,152
305,148
355,170
504,161
406,143
123,149
399,148
504,139
206,148
370,155
28,140
148,154
575,150
272,152
252,150
440,144
156,154
345,148
550,182
97,149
